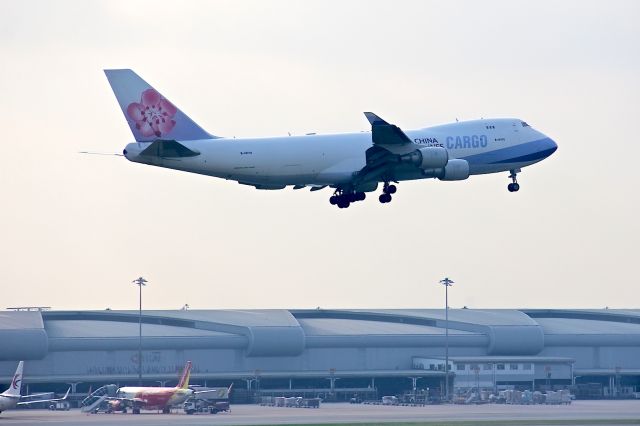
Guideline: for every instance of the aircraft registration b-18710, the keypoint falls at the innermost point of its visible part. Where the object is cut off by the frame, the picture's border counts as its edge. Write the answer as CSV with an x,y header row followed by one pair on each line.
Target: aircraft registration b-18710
x,y
11,397
350,163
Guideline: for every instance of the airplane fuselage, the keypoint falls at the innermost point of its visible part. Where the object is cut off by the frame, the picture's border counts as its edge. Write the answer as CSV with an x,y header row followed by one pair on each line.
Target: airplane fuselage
x,y
7,403
153,398
489,146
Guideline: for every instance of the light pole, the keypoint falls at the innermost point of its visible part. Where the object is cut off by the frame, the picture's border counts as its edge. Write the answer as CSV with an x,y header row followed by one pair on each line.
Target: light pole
x,y
140,282
446,282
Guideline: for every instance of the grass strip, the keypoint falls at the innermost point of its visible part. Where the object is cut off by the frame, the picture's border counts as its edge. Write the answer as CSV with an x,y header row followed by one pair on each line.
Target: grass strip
x,y
481,423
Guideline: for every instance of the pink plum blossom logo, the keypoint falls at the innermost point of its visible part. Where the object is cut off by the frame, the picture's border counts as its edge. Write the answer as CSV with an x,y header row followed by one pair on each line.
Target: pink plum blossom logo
x,y
153,115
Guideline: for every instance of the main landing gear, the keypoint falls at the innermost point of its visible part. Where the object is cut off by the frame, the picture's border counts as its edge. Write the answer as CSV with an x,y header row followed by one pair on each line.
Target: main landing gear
x,y
514,186
343,199
387,190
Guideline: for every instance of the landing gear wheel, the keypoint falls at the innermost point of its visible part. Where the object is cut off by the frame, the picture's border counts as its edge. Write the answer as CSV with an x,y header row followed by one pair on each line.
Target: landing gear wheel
x,y
344,197
136,411
513,186
343,203
384,198
391,189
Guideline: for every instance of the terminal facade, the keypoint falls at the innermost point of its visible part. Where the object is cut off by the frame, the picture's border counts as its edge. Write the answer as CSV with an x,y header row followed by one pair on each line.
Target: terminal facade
x,y
331,353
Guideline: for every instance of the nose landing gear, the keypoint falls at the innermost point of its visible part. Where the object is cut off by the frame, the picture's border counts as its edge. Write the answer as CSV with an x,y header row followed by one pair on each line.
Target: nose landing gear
x,y
387,190
514,186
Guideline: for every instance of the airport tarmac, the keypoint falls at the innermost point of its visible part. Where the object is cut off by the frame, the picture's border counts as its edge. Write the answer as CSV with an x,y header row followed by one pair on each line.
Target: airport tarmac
x,y
608,412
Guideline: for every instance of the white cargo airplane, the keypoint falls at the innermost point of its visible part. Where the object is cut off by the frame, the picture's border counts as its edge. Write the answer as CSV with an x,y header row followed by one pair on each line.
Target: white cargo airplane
x,y
350,163
11,397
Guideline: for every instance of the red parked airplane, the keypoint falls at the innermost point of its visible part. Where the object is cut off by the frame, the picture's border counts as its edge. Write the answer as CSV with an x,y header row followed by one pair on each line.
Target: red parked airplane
x,y
154,398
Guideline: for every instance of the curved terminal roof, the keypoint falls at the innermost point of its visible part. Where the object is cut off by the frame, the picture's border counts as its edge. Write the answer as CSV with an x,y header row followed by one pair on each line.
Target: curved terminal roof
x,y
281,332
355,327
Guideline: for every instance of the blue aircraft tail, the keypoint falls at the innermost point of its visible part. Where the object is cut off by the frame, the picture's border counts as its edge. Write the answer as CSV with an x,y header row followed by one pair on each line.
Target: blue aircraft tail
x,y
150,115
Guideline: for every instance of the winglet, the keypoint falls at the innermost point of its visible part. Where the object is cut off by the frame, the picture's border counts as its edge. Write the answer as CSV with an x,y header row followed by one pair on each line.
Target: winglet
x,y
384,133
374,119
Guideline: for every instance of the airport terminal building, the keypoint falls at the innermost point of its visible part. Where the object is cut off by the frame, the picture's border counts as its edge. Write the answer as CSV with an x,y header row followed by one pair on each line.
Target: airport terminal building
x,y
335,353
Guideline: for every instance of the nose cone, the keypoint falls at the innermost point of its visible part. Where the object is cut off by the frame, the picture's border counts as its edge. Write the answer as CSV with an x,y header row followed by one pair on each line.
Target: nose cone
x,y
553,146
546,145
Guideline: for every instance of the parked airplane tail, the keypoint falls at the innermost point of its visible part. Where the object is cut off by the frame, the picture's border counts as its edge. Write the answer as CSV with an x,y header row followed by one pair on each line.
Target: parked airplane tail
x,y
150,115
16,382
184,380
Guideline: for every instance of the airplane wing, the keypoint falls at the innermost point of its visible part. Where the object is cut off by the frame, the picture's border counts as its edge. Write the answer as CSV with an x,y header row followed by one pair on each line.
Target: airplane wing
x,y
33,395
384,133
43,400
380,160
313,187
219,393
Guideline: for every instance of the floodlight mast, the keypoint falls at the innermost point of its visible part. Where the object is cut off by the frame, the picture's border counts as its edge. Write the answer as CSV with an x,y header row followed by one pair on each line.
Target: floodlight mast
x,y
446,282
140,281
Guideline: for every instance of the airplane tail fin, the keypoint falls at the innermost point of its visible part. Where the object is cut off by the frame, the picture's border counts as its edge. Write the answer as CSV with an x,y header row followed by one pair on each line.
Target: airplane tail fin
x,y
184,380
150,115
16,382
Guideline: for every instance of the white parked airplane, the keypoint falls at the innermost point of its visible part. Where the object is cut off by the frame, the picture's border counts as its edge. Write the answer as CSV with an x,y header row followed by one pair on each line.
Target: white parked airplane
x,y
350,163
11,397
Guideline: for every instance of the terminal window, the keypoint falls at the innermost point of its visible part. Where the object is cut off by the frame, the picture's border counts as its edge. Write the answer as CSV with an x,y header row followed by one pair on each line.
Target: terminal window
x,y
526,366
460,367
486,367
500,367
513,366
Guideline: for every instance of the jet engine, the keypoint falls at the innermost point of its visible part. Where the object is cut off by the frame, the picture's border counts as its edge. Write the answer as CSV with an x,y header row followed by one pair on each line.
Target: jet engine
x,y
455,169
430,157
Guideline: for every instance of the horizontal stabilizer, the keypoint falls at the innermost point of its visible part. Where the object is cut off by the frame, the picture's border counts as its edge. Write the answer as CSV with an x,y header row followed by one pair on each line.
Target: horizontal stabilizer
x,y
168,149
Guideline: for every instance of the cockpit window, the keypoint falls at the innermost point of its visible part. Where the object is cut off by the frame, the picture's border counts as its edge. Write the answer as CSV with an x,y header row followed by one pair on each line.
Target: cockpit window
x,y
524,124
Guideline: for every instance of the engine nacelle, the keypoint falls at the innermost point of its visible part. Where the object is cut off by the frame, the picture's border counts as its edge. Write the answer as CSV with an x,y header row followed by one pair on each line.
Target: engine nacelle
x,y
430,157
455,169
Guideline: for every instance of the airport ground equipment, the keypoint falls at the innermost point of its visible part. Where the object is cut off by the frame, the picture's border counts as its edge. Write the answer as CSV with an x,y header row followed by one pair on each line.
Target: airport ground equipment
x,y
197,405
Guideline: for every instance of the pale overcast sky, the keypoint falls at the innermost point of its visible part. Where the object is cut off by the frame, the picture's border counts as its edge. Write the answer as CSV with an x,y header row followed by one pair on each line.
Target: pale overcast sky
x,y
75,230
